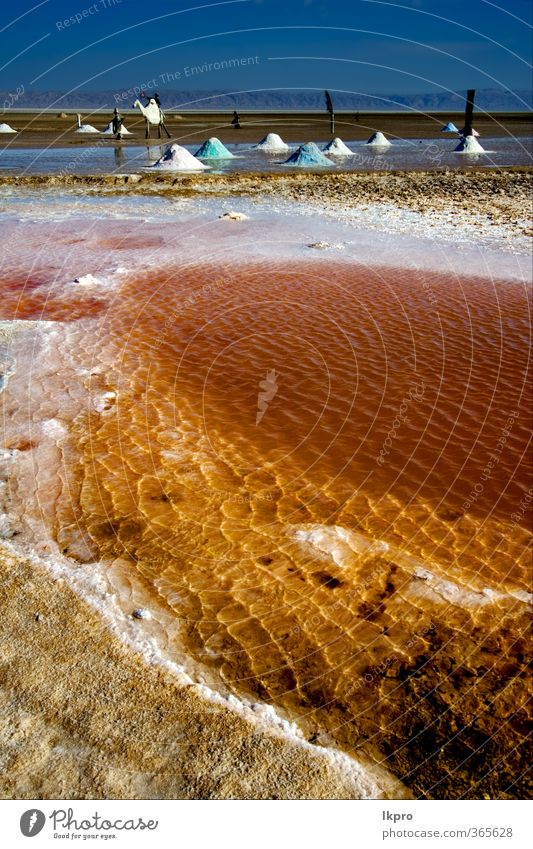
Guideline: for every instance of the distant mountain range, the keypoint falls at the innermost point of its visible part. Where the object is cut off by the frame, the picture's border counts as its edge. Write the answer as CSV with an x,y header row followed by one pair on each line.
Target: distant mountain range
x,y
489,100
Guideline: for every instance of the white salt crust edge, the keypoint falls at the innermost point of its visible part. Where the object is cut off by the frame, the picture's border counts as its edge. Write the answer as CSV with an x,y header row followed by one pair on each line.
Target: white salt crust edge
x,y
338,544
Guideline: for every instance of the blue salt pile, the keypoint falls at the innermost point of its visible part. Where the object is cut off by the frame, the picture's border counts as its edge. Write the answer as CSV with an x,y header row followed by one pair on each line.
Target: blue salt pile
x,y
308,156
213,149
449,128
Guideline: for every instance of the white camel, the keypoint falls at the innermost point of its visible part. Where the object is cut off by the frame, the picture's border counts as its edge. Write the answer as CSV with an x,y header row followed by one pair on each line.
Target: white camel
x,y
152,115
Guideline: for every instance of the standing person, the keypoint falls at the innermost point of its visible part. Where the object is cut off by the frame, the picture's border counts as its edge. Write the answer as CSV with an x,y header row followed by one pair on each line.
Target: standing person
x,y
162,123
236,120
150,97
117,124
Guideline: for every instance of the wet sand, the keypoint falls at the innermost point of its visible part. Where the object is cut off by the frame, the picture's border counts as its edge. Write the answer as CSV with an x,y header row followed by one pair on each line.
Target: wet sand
x,y
84,717
44,129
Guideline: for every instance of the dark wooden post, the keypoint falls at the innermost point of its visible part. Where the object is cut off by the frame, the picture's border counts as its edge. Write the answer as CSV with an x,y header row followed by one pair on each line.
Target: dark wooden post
x,y
329,107
469,112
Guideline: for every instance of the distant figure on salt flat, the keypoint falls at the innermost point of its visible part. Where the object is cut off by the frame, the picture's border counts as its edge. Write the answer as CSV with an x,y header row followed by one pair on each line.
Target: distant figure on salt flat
x,y
116,124
236,120
162,114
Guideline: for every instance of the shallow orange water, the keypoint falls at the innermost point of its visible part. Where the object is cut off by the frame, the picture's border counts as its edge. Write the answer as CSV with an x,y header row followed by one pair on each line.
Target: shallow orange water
x,y
356,556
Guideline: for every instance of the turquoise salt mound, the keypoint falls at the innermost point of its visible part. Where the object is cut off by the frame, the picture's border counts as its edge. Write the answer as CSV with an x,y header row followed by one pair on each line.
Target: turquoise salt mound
x,y
308,156
449,128
337,148
213,149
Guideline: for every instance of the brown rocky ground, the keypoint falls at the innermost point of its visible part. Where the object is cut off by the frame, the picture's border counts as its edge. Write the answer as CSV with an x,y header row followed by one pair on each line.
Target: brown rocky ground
x,y
496,196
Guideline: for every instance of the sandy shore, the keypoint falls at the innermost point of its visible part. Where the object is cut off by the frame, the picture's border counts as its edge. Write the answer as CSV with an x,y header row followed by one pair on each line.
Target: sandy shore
x,y
43,129
85,718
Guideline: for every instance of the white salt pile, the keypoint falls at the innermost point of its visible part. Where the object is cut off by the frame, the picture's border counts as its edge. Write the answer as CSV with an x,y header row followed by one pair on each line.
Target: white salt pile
x,y
469,144
472,132
109,130
337,148
177,158
87,128
234,216
272,143
87,280
5,128
378,140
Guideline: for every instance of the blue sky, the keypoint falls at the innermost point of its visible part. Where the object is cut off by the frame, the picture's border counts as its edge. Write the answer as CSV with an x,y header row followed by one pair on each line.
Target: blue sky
x,y
352,45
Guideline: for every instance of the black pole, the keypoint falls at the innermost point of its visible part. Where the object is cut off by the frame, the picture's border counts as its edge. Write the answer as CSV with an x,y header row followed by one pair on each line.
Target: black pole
x,y
469,111
329,107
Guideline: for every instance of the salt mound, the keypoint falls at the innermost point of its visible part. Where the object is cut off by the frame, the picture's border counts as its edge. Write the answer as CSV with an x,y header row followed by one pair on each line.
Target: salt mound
x,y
378,140
337,148
177,158
213,149
87,280
308,156
469,144
87,128
109,130
234,216
322,246
449,128
5,128
472,132
272,143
